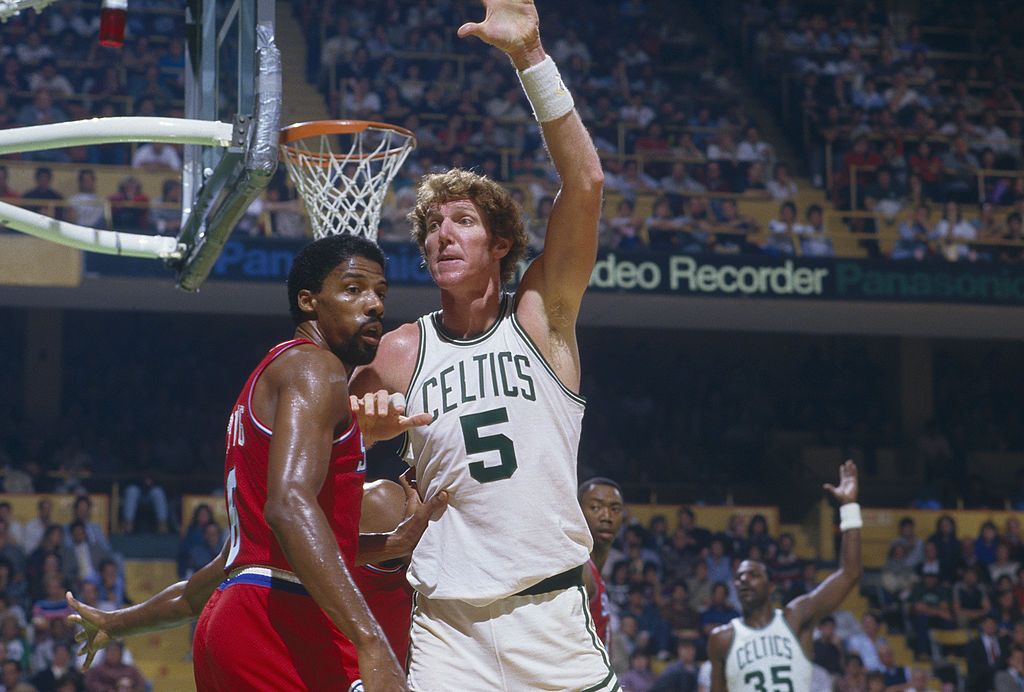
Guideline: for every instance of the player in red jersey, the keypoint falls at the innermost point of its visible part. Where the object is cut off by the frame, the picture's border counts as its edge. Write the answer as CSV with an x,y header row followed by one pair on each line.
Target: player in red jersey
x,y
601,500
294,472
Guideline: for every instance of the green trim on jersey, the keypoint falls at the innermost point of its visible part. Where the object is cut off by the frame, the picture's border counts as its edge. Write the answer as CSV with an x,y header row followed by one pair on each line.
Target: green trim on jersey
x,y
592,631
579,399
435,319
420,357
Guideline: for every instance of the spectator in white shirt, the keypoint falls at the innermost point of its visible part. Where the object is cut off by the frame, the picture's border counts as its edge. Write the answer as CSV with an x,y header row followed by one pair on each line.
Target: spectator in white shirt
x,y
752,148
991,135
35,528
339,47
359,101
781,187
156,156
953,227
723,148
87,209
15,529
783,230
814,241
49,79
569,46
636,112
33,51
679,182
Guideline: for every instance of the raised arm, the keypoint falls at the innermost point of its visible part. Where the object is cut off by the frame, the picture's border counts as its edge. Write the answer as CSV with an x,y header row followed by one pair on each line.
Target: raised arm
x,y
807,610
312,402
561,274
175,605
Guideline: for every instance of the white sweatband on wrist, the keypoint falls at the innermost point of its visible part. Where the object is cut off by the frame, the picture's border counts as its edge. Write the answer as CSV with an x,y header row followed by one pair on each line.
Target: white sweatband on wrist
x,y
849,517
546,91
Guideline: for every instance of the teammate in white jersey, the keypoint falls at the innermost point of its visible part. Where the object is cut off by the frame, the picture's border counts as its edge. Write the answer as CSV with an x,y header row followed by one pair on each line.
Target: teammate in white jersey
x,y
770,650
500,602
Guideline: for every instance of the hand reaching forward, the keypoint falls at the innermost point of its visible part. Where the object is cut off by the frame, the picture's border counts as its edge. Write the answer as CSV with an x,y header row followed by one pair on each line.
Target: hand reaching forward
x,y
510,25
846,491
417,512
94,635
382,416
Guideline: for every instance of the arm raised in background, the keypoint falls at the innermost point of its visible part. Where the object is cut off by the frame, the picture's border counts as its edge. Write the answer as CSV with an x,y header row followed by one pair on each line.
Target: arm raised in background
x,y
554,285
806,611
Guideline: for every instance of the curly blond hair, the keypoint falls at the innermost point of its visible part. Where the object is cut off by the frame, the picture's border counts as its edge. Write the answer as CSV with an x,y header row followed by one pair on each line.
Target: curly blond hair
x,y
501,215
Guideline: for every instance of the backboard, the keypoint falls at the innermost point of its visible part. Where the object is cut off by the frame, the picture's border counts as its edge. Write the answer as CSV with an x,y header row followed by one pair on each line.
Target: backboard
x,y
232,75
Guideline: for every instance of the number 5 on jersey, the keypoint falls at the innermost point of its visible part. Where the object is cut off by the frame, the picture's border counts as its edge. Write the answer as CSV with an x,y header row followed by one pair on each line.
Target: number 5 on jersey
x,y
479,444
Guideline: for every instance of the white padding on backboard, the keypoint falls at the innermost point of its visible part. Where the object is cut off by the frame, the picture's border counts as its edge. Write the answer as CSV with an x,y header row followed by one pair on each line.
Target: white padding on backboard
x,y
114,131
84,238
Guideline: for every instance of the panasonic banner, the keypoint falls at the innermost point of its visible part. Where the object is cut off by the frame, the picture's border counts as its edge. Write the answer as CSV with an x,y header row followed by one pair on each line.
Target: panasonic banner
x,y
726,276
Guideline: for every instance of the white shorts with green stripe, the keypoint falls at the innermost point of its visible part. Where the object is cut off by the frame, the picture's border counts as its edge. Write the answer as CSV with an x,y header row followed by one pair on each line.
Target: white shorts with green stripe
x,y
542,642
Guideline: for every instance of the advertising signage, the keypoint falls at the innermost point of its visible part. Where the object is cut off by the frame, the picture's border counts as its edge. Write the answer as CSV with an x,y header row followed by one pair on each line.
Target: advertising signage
x,y
732,276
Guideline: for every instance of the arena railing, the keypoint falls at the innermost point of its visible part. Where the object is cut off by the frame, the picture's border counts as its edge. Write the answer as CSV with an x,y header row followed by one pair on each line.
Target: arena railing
x,y
904,137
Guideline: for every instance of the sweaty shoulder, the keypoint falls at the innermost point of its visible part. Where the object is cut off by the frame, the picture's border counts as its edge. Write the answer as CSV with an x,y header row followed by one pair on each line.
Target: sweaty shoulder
x,y
393,365
720,640
305,371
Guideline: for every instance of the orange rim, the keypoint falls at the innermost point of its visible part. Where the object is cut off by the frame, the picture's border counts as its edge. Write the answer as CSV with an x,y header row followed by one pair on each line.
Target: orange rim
x,y
316,128
299,131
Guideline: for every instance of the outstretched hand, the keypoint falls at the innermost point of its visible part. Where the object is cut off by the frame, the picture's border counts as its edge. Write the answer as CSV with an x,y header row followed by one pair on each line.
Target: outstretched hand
x,y
94,635
381,415
417,512
509,25
846,491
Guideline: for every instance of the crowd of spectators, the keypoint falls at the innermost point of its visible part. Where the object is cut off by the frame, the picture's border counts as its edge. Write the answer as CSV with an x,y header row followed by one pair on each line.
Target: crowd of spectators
x,y
900,114
662,107
907,119
53,70
40,560
669,589
949,582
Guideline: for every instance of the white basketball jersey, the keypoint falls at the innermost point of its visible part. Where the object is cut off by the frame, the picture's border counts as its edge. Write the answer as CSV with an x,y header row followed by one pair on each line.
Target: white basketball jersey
x,y
766,660
503,443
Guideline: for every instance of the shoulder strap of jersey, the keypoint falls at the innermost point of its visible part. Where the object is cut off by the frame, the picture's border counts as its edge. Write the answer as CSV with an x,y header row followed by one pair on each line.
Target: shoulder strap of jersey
x,y
271,356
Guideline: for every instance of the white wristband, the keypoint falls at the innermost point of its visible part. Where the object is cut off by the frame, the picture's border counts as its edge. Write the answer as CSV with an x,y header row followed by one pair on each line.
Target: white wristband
x,y
546,91
849,517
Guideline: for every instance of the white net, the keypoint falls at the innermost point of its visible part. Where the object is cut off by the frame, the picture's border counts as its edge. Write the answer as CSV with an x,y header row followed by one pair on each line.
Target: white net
x,y
9,8
343,177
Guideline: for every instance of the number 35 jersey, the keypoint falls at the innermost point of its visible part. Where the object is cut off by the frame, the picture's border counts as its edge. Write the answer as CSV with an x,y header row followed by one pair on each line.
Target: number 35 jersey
x,y
769,659
503,443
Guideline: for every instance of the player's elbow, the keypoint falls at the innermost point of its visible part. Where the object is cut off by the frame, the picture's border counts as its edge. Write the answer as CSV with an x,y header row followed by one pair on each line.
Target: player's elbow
x,y
283,511
592,179
852,573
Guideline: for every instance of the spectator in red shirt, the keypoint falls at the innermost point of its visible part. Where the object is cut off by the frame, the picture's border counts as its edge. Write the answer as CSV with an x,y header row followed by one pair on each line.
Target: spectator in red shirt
x,y
927,166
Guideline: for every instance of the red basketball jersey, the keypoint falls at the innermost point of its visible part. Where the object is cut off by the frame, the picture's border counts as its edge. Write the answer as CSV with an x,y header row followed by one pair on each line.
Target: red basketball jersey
x,y
389,597
245,482
599,609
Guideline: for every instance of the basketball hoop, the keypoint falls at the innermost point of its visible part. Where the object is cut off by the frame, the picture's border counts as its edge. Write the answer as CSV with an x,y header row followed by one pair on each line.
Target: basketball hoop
x,y
342,169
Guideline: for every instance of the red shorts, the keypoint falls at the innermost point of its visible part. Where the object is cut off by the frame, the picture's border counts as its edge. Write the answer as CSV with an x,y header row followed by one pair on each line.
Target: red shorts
x,y
252,637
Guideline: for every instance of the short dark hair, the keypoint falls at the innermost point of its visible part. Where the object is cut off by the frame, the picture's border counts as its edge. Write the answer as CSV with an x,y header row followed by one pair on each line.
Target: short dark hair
x,y
596,480
318,259
827,620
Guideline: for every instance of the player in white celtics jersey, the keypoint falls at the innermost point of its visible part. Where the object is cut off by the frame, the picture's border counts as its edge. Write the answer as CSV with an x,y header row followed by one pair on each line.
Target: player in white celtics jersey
x,y
767,649
500,603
